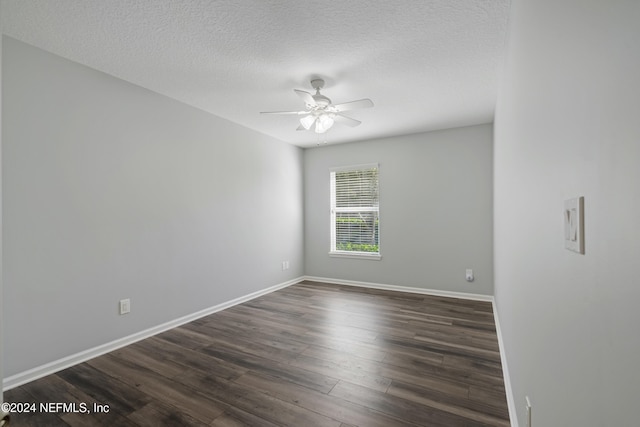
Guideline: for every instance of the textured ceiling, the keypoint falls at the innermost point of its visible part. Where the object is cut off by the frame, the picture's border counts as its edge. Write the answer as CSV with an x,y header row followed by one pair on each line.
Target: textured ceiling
x,y
426,64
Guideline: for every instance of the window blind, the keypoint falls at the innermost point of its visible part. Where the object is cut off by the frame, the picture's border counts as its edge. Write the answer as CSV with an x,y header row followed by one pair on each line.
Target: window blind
x,y
355,210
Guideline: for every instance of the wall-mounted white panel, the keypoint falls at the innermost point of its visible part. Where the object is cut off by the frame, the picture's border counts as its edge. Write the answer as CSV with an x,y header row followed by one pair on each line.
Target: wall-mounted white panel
x,y
573,217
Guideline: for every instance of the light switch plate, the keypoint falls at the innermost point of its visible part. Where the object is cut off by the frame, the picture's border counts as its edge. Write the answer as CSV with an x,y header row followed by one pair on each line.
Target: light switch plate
x,y
574,224
125,306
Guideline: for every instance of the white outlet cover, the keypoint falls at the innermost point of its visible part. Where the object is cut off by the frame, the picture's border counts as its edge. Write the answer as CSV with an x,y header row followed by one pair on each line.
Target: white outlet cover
x,y
469,275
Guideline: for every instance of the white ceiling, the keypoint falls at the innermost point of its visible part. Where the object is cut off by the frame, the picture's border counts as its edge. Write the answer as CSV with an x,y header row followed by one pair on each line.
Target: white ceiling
x,y
426,64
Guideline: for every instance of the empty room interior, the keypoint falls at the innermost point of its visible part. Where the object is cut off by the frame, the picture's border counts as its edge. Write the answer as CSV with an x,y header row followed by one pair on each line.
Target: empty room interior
x,y
307,213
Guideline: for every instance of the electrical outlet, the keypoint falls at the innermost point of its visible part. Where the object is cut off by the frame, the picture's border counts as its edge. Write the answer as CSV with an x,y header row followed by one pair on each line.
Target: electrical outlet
x,y
528,408
469,275
285,265
125,306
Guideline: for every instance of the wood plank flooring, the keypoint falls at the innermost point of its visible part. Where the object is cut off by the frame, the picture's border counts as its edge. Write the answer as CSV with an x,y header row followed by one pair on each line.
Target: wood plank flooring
x,y
312,354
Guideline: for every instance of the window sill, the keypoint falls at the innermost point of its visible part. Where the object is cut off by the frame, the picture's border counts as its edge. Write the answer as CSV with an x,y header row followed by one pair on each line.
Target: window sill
x,y
356,255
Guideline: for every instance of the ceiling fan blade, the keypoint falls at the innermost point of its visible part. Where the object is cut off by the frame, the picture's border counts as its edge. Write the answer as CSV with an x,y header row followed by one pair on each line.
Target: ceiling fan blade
x,y
361,103
300,128
306,97
299,113
344,120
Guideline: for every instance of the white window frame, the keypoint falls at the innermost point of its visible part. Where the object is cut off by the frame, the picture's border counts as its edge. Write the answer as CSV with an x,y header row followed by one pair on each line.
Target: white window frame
x,y
332,209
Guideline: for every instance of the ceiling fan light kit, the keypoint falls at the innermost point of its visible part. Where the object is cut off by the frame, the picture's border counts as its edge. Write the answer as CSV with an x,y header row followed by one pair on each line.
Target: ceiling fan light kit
x,y
320,114
307,122
324,123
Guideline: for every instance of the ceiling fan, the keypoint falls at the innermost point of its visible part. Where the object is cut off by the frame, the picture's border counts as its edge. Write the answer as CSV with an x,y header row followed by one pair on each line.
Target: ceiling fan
x,y
320,113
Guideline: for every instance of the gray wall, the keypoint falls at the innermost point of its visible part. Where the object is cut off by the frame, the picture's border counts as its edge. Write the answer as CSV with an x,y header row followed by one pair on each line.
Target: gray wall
x,y
1,286
111,191
568,125
435,210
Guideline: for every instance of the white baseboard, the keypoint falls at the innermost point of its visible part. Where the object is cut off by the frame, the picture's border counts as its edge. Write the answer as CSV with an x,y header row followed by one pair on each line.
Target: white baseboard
x,y
435,292
511,404
66,362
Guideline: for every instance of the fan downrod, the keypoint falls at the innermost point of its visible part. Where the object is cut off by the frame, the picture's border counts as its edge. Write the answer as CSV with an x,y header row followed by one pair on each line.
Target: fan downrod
x,y
321,100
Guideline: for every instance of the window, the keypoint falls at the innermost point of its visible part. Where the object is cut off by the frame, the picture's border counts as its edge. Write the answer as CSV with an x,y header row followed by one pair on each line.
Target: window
x,y
354,212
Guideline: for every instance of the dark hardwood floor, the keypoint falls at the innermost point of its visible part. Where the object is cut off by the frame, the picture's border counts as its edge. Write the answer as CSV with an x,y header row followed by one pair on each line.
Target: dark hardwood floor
x,y
312,354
